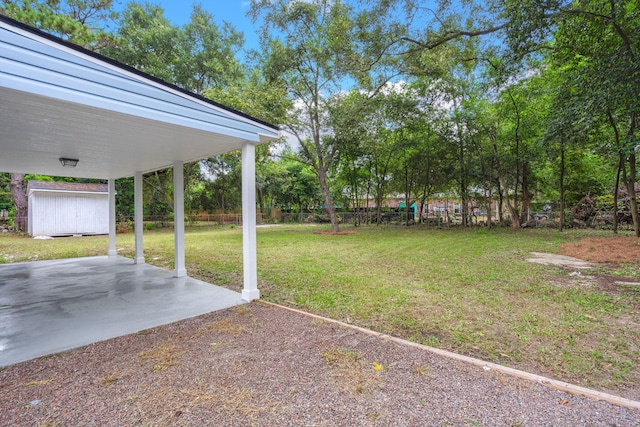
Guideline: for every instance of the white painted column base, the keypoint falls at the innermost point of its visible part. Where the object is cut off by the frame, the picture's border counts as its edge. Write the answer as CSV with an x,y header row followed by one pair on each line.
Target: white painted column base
x,y
250,294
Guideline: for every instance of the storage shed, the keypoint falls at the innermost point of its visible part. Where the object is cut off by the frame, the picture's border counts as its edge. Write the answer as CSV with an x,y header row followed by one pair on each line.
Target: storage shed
x,y
67,208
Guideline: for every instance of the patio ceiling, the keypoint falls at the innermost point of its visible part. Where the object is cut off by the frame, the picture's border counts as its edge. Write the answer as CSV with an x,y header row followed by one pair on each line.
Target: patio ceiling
x,y
58,100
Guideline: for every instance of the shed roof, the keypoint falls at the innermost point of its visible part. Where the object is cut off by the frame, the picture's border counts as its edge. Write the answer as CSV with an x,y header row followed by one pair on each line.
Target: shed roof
x,y
60,100
67,187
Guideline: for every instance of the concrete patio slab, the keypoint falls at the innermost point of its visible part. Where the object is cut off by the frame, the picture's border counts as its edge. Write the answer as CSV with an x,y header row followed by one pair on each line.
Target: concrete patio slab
x,y
559,260
48,307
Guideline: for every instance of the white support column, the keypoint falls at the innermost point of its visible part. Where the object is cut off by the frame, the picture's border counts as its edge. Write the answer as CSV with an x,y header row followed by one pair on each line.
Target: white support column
x,y
138,226
249,249
178,219
112,218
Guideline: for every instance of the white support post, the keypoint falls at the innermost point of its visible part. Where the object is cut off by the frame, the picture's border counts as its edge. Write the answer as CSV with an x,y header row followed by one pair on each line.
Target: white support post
x,y
112,218
178,219
138,224
249,249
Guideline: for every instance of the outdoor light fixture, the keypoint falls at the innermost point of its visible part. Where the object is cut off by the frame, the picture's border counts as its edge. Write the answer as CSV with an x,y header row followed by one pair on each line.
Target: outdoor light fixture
x,y
68,163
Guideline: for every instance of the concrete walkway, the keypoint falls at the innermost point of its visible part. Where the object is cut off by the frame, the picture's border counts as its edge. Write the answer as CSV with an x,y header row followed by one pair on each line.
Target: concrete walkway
x,y
52,306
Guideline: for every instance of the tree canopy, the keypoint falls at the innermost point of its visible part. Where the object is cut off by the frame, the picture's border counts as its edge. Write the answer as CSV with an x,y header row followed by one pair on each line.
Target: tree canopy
x,y
505,106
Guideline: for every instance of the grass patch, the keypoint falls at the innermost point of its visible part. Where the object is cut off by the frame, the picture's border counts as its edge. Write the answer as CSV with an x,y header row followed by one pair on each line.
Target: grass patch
x,y
225,326
422,370
164,406
161,358
352,371
38,382
116,375
465,291
338,357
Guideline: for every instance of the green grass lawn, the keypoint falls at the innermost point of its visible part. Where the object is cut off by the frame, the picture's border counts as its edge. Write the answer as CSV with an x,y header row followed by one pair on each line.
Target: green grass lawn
x,y
468,291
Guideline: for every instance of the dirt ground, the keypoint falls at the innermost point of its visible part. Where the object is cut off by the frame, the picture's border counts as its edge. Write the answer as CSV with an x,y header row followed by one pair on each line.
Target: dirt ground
x,y
616,270
605,249
261,365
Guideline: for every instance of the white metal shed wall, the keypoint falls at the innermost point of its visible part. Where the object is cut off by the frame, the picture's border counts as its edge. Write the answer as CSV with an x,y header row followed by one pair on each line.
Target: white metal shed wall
x,y
59,213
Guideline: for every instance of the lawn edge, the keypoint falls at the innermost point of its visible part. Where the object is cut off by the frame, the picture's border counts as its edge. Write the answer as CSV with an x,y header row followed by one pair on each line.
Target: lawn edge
x,y
547,382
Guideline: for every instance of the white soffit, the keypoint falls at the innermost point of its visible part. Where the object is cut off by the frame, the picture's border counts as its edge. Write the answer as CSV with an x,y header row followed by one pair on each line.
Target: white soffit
x,y
60,101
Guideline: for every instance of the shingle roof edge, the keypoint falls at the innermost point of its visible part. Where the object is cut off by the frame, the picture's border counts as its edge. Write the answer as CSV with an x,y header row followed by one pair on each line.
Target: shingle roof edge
x,y
67,186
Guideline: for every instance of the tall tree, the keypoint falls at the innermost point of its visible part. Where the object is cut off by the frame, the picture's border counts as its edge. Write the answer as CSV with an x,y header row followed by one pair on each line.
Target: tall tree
x,y
314,49
303,44
206,54
600,40
20,201
147,41
81,22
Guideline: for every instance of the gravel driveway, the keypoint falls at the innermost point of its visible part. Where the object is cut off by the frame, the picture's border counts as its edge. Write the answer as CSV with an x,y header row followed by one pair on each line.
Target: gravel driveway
x,y
266,366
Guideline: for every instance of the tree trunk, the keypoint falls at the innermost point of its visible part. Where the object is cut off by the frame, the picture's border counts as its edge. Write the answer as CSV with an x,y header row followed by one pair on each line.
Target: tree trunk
x,y
407,210
631,188
263,211
20,200
326,195
497,167
500,206
515,217
489,199
356,195
615,195
464,205
379,199
525,211
222,207
561,226
513,209
621,169
631,181
366,206
464,210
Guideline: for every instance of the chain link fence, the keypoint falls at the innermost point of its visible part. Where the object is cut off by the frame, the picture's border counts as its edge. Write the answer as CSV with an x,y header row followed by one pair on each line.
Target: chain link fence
x,y
602,220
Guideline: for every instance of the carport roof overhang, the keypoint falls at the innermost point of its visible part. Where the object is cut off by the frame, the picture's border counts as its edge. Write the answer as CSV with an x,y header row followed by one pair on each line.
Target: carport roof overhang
x,y
59,100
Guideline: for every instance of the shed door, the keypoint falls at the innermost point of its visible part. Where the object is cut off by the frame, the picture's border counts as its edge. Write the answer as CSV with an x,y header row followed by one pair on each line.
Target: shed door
x,y
86,215
56,214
